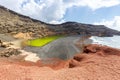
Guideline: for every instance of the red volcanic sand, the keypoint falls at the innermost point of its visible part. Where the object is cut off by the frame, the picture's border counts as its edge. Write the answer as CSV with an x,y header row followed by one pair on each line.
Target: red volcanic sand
x,y
95,63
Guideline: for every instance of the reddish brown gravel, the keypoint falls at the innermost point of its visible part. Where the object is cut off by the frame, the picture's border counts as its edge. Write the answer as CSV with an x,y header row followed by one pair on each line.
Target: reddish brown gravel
x,y
95,63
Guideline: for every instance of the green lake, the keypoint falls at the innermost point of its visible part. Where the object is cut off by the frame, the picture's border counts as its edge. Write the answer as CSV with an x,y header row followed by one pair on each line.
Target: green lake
x,y
42,41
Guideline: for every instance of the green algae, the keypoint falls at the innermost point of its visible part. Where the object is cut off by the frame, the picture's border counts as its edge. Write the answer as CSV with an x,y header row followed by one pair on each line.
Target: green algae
x,y
42,41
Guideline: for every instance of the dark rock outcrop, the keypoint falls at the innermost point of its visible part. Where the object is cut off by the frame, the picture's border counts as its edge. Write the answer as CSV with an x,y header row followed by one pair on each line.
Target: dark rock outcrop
x,y
9,52
87,29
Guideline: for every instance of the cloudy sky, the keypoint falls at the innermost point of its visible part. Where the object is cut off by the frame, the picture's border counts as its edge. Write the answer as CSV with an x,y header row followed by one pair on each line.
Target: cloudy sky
x,y
106,12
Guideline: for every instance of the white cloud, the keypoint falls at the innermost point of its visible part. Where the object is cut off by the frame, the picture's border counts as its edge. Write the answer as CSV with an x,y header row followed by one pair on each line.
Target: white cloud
x,y
57,22
113,24
53,10
96,4
12,4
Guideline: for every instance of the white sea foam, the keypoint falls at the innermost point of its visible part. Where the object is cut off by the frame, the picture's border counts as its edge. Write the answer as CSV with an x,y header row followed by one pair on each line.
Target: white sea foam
x,y
109,41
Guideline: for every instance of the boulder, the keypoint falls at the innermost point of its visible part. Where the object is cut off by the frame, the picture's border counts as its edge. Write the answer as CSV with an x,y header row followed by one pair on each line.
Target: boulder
x,y
9,52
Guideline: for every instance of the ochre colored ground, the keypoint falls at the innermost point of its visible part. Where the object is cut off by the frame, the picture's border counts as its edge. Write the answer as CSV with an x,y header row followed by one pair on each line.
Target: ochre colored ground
x,y
95,63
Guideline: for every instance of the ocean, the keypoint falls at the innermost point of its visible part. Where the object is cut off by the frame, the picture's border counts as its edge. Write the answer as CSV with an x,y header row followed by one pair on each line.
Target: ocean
x,y
108,41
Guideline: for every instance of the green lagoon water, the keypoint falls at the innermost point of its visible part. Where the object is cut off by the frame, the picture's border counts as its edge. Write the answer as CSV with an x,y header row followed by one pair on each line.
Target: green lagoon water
x,y
42,41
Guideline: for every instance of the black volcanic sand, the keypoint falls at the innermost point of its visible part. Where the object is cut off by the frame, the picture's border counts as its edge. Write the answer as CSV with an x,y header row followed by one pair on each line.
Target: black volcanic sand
x,y
63,48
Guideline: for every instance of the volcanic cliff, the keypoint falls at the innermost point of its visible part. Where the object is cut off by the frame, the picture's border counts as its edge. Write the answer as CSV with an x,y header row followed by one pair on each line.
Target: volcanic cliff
x,y
96,62
13,23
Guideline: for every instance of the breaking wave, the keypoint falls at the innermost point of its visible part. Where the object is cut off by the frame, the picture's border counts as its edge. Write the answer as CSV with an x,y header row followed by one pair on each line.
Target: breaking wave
x,y
109,41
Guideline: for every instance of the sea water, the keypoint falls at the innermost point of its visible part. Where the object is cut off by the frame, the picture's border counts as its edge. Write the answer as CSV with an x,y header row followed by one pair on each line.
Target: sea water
x,y
109,41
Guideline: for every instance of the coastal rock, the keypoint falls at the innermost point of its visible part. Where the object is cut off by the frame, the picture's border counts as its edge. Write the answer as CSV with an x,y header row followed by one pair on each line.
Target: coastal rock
x,y
87,29
23,36
14,23
4,44
9,52
97,63
0,42
94,50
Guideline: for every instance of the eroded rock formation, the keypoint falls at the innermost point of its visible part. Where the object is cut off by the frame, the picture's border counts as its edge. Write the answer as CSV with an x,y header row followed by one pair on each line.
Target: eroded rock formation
x,y
96,63
9,52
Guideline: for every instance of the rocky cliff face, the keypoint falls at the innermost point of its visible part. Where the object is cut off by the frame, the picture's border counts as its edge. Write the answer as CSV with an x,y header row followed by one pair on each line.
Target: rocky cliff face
x,y
87,29
13,23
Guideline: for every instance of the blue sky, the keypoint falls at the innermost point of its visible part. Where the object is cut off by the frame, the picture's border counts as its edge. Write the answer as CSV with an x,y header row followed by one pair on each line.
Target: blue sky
x,y
86,15
106,12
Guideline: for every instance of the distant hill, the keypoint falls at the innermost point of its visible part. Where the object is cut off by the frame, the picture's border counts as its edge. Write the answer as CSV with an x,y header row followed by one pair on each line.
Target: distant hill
x,y
13,23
